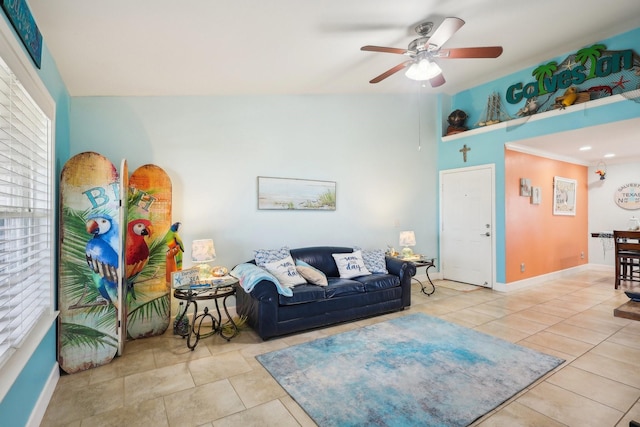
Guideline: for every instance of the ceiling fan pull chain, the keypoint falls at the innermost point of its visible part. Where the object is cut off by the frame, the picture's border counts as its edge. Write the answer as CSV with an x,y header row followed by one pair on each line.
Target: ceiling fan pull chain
x,y
419,117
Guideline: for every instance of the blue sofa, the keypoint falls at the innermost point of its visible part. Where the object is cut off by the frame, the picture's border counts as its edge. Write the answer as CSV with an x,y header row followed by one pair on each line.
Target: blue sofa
x,y
272,314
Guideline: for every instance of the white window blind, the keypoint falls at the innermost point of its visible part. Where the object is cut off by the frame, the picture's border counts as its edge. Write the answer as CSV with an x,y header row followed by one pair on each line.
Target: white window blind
x,y
26,216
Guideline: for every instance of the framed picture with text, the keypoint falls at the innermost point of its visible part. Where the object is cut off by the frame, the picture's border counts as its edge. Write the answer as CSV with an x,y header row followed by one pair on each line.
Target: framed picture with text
x,y
564,196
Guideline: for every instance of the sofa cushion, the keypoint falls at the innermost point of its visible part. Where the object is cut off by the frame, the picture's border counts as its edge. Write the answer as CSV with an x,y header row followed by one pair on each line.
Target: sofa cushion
x,y
320,257
375,282
311,274
332,310
339,287
264,256
350,265
285,271
374,260
302,294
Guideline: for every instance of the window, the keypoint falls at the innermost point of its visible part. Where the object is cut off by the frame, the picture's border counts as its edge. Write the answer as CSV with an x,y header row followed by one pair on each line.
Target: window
x,y
26,216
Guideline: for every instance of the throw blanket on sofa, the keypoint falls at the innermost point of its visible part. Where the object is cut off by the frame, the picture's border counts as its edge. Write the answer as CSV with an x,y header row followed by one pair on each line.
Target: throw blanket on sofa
x,y
250,275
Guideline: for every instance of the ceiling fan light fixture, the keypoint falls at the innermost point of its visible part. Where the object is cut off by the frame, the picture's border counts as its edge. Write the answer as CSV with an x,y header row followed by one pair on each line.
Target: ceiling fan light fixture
x,y
428,46
423,70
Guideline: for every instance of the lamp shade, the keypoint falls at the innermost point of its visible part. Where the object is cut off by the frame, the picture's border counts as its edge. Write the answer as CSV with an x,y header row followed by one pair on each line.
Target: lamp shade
x,y
407,238
423,70
203,251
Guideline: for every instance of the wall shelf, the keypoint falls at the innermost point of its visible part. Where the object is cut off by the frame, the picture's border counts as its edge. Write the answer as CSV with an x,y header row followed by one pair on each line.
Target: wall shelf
x,y
542,116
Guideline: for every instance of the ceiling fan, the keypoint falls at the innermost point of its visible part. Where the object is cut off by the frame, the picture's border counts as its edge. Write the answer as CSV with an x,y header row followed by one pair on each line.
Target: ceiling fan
x,y
424,49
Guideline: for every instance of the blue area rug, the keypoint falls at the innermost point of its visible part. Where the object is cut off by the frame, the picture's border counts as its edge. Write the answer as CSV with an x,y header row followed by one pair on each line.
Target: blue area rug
x,y
414,370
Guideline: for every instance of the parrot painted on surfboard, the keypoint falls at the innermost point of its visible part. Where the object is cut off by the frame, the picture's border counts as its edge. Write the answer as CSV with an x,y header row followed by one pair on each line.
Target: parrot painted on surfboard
x,y
136,249
102,256
172,240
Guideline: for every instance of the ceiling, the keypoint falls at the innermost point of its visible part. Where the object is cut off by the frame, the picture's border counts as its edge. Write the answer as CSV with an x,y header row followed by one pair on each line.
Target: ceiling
x,y
215,47
257,47
611,143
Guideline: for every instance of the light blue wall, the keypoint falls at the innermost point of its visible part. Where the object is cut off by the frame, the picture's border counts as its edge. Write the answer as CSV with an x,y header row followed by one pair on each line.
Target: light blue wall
x,y
16,407
214,148
488,147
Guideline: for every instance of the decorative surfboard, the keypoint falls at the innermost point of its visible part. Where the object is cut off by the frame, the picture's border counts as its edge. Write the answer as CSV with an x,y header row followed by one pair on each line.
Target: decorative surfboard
x,y
148,232
90,263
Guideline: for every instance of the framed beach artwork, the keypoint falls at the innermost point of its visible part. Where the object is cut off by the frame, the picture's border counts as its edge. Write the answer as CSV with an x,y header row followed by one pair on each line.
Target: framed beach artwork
x,y
564,196
296,194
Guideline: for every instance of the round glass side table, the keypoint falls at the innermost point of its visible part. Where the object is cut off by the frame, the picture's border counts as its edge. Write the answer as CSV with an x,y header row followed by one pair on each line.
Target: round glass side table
x,y
217,290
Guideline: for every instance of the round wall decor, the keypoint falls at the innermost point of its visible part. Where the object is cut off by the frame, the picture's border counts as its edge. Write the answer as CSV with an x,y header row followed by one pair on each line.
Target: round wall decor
x,y
627,196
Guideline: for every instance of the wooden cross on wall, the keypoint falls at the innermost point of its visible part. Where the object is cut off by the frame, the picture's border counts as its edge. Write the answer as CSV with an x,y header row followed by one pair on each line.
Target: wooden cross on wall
x,y
464,151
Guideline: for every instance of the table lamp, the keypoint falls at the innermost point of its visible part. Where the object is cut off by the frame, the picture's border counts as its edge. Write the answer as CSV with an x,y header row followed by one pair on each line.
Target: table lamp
x,y
407,238
202,253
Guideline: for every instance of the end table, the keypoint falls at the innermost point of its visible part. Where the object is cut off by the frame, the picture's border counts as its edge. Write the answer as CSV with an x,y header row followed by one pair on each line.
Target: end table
x,y
216,290
423,262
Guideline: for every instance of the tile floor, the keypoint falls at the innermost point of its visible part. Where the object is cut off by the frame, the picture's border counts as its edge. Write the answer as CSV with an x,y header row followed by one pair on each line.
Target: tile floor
x,y
159,382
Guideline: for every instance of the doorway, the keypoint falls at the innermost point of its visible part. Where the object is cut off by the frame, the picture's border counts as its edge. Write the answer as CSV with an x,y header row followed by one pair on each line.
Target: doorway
x,y
467,217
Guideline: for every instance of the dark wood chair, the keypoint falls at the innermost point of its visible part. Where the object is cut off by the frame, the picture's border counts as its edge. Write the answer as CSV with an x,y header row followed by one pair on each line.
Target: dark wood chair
x,y
627,245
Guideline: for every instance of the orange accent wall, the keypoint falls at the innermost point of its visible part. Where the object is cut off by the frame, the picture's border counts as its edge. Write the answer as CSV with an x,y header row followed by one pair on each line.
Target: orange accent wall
x,y
534,236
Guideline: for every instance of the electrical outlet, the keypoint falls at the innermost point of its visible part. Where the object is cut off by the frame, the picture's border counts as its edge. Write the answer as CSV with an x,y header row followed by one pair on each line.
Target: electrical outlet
x,y
581,255
522,267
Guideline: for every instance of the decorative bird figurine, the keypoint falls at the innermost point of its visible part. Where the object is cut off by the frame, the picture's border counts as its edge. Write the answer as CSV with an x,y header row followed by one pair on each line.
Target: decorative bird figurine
x,y
102,256
568,98
136,250
172,240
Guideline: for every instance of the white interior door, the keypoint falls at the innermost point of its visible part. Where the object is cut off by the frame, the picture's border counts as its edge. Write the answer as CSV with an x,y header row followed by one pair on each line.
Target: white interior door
x,y
466,225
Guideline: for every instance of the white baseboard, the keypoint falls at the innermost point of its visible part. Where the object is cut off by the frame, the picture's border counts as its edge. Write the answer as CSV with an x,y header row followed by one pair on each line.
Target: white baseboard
x,y
45,397
532,281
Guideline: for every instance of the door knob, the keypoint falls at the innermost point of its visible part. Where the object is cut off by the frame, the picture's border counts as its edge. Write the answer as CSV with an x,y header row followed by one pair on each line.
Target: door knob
x,y
486,234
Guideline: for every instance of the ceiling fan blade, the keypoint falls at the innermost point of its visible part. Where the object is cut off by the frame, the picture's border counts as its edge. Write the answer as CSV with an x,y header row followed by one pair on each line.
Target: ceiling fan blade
x,y
384,49
444,32
437,81
470,52
390,72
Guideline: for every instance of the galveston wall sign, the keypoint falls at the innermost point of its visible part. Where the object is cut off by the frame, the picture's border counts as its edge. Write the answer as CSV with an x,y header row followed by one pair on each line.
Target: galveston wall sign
x,y
586,64
627,196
